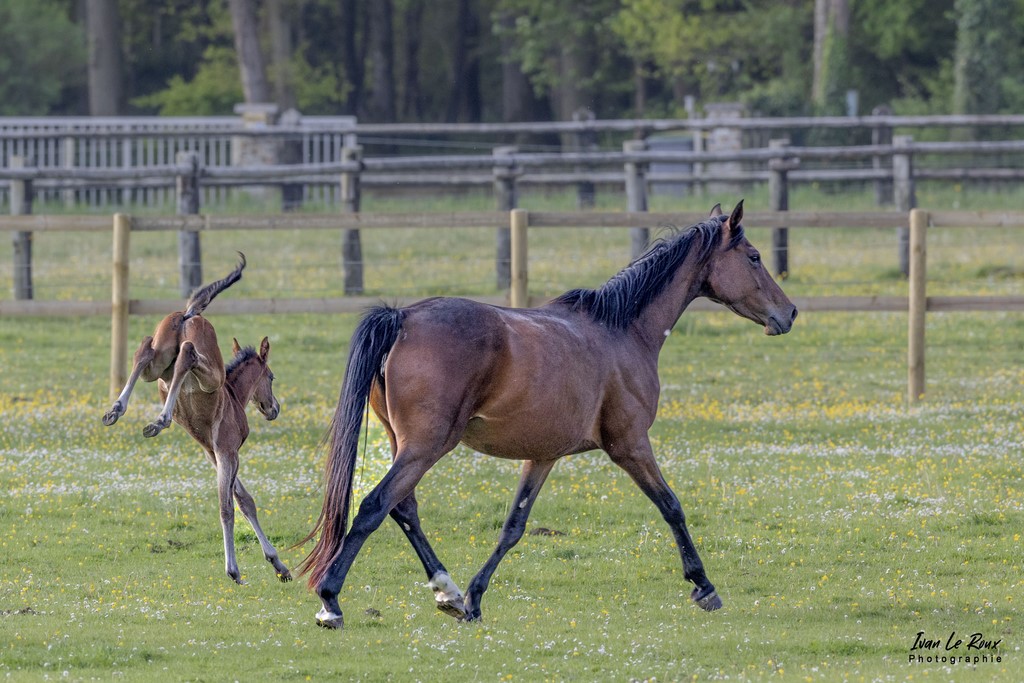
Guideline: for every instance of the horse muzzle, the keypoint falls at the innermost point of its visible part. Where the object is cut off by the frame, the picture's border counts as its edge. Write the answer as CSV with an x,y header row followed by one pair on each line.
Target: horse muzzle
x,y
272,412
780,324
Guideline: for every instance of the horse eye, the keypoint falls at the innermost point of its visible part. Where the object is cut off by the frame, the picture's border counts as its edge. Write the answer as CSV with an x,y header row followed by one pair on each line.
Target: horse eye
x,y
755,258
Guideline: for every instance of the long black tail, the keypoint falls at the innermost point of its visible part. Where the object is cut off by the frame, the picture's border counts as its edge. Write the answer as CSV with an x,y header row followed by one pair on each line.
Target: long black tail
x,y
371,342
202,297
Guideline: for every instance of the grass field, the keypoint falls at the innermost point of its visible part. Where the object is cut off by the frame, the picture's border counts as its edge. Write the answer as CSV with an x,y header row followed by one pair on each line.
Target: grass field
x,y
836,523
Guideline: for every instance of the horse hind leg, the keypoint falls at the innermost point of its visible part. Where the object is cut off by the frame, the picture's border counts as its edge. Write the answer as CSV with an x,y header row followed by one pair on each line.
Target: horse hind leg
x,y
143,360
535,472
248,507
396,486
448,596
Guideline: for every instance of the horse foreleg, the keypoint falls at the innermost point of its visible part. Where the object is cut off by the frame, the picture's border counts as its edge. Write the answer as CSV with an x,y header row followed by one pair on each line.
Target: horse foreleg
x,y
640,465
227,472
535,472
248,507
144,355
447,594
187,359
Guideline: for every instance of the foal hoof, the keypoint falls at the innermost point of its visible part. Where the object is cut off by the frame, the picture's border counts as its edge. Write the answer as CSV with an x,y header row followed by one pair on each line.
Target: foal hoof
x,y
285,576
709,602
152,429
111,416
325,619
454,608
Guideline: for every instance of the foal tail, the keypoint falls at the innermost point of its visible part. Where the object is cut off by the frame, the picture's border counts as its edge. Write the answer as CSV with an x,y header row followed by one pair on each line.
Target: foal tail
x,y
373,338
202,297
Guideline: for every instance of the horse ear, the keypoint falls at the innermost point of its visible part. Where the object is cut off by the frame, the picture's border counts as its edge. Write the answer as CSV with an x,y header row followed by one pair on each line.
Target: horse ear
x,y
265,349
716,211
734,219
235,347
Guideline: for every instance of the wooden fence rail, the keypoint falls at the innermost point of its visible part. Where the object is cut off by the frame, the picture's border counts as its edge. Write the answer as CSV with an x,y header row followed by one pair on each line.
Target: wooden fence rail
x,y
519,223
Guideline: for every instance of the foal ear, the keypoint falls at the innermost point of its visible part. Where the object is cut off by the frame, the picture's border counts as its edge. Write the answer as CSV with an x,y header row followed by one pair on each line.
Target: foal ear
x,y
716,211
265,349
235,347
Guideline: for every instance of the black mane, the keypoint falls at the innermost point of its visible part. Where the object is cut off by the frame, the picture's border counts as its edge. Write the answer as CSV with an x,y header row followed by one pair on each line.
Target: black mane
x,y
243,355
618,302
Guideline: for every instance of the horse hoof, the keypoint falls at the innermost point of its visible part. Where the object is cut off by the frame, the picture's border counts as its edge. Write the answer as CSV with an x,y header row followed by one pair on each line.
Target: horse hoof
x,y
325,619
285,576
709,602
111,417
453,608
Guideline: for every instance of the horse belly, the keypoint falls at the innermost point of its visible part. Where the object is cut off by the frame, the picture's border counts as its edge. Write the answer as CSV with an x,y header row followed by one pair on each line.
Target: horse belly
x,y
540,434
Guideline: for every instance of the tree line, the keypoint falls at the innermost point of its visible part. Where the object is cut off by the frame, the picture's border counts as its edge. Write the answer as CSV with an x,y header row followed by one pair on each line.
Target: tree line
x,y
509,60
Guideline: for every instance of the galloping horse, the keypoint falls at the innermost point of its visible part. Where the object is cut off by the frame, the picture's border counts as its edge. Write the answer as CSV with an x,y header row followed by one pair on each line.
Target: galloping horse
x,y
209,401
577,374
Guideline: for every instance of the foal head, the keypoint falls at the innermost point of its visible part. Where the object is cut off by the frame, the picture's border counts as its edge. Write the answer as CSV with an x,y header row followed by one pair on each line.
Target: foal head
x,y
255,365
738,279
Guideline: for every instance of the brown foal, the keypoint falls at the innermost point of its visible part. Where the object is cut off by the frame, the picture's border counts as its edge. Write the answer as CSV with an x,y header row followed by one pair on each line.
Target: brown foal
x,y
535,385
209,401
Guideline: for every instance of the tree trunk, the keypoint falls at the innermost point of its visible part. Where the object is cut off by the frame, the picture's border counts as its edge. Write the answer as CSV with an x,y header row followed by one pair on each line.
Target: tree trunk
x,y
460,58
281,53
382,58
253,69
352,55
412,100
831,31
106,89
516,93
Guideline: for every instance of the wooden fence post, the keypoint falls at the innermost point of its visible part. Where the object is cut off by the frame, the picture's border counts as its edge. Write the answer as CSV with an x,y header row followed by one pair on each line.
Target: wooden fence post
x,y
918,305
636,195
903,193
351,198
519,296
881,135
586,141
21,205
190,261
119,305
778,194
506,198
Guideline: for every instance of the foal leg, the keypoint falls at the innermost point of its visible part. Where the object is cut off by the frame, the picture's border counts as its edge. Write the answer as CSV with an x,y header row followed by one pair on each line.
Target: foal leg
x,y
227,472
248,507
535,472
638,461
447,594
144,356
208,378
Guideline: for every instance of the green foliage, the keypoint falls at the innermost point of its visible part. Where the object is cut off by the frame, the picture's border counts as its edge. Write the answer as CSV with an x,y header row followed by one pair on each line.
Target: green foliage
x,y
988,56
214,90
41,54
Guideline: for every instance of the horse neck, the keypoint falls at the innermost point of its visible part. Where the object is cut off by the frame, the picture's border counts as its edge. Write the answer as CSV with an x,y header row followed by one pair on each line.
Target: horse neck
x,y
656,321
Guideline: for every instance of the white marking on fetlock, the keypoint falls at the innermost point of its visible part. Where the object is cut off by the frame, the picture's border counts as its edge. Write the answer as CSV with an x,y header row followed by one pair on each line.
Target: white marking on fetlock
x,y
444,588
325,615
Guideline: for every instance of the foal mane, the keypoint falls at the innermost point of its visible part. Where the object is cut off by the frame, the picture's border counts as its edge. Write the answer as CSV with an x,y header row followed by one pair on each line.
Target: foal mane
x,y
618,302
239,359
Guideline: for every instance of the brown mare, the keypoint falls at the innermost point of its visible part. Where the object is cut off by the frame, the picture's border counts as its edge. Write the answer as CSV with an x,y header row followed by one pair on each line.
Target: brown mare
x,y
209,401
577,374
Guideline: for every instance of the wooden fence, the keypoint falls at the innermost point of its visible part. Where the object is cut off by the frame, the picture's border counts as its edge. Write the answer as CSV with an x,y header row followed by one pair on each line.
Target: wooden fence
x,y
504,170
519,223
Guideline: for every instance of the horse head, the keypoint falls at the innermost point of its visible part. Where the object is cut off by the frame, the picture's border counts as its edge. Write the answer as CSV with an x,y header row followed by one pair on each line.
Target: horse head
x,y
737,278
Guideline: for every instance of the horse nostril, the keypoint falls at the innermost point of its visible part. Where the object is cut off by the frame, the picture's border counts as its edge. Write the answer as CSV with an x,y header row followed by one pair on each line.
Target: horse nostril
x,y
793,317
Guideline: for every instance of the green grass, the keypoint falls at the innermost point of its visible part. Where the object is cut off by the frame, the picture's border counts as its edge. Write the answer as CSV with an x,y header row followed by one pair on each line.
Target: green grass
x,y
835,522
